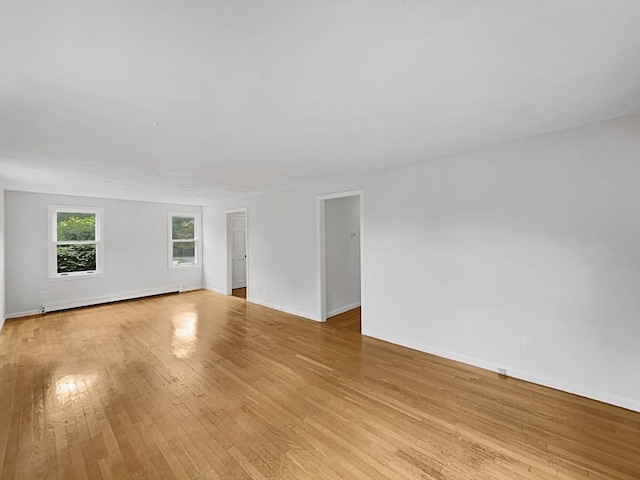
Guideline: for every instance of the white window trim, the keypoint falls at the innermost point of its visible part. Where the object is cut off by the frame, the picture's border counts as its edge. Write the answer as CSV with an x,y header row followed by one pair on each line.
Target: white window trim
x,y
52,240
196,231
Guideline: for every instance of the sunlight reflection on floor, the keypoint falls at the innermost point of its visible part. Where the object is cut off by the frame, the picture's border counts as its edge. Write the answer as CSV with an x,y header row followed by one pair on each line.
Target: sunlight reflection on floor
x,y
75,387
185,334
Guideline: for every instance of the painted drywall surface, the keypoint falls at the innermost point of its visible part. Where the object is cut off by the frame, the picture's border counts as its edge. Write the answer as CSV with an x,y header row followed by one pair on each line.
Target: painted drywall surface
x,y
536,238
2,276
342,253
463,255
135,237
282,247
281,253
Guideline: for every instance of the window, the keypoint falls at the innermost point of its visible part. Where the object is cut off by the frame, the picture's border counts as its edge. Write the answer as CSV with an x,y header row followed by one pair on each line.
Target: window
x,y
75,241
184,242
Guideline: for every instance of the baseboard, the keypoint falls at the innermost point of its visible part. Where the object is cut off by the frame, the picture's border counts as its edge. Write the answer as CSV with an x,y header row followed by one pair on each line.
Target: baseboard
x,y
340,310
271,305
283,309
26,313
215,290
86,302
190,289
579,390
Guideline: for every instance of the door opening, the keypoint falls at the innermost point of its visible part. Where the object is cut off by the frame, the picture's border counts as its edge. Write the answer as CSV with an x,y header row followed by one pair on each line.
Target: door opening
x,y
237,259
340,229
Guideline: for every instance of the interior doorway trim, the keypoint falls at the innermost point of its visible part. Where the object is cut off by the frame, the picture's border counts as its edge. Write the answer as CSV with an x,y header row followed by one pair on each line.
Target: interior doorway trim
x,y
229,214
321,242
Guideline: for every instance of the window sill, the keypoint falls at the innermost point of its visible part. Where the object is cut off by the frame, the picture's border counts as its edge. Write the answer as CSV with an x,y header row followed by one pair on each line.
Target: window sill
x,y
76,277
180,267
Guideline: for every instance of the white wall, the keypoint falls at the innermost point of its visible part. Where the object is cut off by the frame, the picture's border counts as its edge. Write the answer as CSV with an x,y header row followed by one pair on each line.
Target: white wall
x,y
281,250
2,279
342,254
136,253
465,254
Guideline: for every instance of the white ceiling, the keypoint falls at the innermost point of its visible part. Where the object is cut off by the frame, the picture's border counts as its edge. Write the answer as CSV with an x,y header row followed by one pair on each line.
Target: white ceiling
x,y
197,101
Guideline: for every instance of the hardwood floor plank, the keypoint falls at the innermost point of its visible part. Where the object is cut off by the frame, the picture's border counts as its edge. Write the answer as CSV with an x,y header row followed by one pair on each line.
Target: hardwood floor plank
x,y
200,385
349,320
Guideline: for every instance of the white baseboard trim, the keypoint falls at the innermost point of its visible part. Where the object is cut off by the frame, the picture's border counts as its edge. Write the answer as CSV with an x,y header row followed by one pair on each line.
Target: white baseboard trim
x,y
340,310
270,305
284,309
215,290
190,289
628,403
86,302
26,313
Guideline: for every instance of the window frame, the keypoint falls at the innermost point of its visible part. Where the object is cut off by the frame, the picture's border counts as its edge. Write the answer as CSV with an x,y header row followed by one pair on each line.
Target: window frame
x,y
197,240
53,242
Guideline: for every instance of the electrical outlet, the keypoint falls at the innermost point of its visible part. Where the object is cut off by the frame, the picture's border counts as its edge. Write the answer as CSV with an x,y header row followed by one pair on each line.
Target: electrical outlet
x,y
527,343
503,372
43,294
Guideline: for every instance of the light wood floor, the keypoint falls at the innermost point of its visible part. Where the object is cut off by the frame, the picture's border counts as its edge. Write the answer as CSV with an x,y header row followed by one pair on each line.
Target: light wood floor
x,y
349,320
199,385
239,292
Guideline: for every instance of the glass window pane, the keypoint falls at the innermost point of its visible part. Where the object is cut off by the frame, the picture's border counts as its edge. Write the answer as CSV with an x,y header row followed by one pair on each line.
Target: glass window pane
x,y
76,226
76,258
182,228
184,253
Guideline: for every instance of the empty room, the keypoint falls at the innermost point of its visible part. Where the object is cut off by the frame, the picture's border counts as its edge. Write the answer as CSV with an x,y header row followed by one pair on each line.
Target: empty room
x,y
320,239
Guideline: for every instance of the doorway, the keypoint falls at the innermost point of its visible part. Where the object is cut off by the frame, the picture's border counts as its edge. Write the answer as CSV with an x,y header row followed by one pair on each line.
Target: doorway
x,y
237,258
340,227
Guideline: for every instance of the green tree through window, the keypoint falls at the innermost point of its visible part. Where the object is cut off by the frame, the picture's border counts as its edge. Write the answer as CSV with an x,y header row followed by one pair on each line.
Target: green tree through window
x,y
76,245
76,226
183,240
